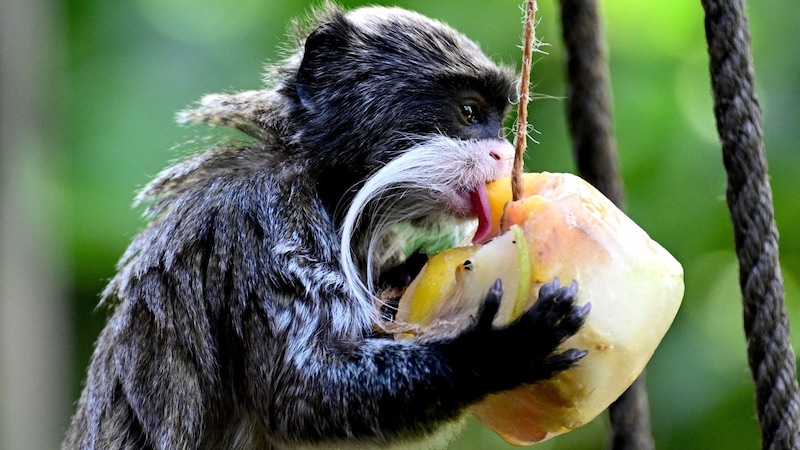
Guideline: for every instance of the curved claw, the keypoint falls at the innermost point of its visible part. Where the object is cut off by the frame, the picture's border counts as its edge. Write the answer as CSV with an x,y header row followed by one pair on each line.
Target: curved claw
x,y
491,304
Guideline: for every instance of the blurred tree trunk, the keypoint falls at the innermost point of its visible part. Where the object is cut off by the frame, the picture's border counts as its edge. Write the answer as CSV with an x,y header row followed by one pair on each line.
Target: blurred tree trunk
x,y
34,320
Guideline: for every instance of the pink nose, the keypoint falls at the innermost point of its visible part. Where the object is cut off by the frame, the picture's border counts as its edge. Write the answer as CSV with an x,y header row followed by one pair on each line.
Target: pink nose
x,y
501,150
502,153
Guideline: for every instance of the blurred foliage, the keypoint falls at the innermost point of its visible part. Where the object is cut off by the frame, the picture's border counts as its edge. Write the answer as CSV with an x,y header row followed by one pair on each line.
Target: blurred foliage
x,y
132,65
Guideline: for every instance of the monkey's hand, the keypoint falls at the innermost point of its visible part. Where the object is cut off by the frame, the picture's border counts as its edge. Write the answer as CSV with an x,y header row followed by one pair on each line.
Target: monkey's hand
x,y
523,351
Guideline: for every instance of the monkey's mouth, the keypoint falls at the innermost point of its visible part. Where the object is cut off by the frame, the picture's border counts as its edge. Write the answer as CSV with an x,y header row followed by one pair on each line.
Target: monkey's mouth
x,y
473,202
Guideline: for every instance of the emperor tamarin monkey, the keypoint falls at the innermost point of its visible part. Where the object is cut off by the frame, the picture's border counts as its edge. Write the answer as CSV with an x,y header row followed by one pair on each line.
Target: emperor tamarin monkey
x,y
245,312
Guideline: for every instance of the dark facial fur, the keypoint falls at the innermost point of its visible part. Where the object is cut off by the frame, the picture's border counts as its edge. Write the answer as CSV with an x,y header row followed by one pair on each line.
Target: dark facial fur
x,y
244,311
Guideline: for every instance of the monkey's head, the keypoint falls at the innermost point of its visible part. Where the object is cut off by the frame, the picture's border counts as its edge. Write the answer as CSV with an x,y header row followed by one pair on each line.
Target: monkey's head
x,y
402,118
374,83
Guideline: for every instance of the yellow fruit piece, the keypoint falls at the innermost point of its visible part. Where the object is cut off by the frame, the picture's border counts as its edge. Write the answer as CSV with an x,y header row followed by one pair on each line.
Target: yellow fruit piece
x,y
562,227
436,281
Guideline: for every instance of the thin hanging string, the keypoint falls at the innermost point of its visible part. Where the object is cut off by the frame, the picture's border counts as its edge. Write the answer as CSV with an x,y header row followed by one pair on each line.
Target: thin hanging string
x,y
766,325
521,135
589,117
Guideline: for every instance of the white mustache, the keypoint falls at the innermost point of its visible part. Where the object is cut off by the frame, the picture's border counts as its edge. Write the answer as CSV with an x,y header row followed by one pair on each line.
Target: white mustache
x,y
412,186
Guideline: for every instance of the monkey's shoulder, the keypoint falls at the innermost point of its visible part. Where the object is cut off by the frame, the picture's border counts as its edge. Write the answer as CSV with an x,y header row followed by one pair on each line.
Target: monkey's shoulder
x,y
238,218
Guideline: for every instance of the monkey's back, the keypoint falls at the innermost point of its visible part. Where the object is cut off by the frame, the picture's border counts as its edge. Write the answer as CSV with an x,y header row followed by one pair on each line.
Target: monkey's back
x,y
237,265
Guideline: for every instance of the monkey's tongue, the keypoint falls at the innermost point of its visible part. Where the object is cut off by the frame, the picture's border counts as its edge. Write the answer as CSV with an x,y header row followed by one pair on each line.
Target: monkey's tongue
x,y
480,204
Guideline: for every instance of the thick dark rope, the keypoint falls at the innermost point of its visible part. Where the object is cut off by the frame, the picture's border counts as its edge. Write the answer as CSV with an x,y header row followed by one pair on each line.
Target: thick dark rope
x,y
589,117
749,195
588,98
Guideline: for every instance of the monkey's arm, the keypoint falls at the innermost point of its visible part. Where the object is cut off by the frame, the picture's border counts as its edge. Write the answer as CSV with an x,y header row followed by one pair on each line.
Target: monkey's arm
x,y
380,391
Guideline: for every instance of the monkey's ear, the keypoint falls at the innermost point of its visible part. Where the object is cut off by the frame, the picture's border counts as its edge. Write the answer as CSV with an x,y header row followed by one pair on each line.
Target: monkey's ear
x,y
323,56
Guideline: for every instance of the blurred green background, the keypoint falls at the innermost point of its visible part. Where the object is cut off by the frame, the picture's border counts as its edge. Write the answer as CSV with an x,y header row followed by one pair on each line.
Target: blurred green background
x,y
90,89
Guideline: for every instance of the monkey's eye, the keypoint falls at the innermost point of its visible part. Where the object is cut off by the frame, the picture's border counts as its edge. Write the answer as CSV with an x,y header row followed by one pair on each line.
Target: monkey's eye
x,y
470,112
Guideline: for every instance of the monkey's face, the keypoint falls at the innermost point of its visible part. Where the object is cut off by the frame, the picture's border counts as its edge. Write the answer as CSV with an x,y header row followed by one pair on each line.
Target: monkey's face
x,y
478,152
402,98
406,118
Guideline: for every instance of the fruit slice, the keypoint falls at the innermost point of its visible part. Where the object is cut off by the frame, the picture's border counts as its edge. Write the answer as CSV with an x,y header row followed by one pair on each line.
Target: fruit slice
x,y
563,228
437,280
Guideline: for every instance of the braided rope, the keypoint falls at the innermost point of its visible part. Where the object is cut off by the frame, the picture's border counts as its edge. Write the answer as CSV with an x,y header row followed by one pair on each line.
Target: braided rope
x,y
588,99
589,118
736,107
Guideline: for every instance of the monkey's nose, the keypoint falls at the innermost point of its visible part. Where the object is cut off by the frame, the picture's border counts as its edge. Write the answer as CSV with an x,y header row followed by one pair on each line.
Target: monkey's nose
x,y
500,150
